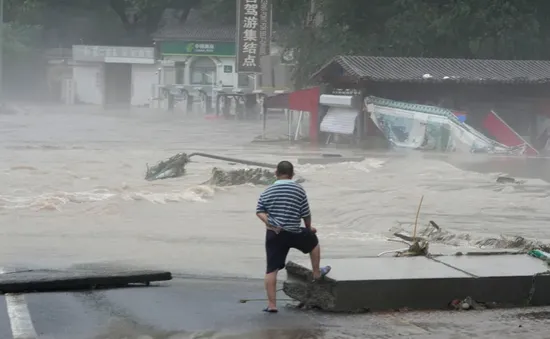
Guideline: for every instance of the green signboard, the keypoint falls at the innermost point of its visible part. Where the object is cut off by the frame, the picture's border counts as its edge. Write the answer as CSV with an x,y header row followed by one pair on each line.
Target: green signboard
x,y
197,48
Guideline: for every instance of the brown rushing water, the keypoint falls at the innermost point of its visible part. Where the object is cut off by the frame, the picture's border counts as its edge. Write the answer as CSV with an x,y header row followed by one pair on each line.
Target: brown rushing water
x,y
73,191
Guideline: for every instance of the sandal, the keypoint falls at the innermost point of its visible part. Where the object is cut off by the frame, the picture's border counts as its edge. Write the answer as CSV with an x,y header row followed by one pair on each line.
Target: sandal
x,y
270,310
324,271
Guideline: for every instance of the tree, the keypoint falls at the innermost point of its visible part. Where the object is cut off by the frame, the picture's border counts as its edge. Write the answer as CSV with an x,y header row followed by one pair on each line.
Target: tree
x,y
18,37
146,14
497,29
492,29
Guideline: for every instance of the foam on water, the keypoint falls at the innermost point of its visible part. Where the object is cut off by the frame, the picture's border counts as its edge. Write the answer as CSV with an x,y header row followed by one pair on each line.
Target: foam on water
x,y
55,201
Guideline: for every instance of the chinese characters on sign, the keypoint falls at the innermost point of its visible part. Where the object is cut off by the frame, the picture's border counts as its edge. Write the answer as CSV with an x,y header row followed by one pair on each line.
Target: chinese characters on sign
x,y
248,52
265,27
203,48
99,53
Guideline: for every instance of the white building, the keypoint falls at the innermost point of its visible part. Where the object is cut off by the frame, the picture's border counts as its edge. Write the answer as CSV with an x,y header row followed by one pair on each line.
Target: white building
x,y
203,55
114,75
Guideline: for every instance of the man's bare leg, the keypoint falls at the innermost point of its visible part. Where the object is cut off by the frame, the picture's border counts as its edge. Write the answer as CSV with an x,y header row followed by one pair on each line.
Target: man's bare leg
x,y
315,257
270,282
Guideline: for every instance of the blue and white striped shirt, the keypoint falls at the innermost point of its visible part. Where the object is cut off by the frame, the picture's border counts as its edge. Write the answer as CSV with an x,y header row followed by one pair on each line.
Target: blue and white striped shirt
x,y
285,203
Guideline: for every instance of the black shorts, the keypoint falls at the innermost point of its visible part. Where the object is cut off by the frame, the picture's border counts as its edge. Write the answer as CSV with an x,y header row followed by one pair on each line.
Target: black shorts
x,y
278,245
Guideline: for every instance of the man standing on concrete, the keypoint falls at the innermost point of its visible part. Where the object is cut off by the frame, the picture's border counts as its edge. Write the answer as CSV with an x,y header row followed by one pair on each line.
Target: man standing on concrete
x,y
281,207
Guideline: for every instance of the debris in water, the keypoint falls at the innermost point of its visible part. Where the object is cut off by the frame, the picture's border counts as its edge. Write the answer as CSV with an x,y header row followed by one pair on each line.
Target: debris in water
x,y
255,176
175,167
434,233
509,180
417,248
171,168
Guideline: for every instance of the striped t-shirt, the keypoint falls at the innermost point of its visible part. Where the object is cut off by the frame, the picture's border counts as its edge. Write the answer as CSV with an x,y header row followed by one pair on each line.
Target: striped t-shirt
x,y
285,203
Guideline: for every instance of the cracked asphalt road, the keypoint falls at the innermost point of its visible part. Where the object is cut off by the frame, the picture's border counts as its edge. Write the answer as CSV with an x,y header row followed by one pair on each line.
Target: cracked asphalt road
x,y
199,308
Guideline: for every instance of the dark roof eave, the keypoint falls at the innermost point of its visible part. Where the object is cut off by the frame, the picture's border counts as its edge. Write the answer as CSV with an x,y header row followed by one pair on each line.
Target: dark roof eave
x,y
349,64
319,74
356,80
457,81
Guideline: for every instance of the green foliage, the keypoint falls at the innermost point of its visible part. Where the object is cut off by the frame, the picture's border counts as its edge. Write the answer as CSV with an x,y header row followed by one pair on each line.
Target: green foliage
x,y
20,38
497,29
492,29
146,14
221,11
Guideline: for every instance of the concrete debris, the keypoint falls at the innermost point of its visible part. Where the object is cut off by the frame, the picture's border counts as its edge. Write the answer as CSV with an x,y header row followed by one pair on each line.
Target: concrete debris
x,y
509,180
311,295
468,282
171,168
175,167
254,176
26,281
467,304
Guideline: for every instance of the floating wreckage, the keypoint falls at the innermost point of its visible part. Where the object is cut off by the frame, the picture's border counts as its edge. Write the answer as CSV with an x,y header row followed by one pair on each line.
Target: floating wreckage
x,y
256,176
432,128
174,167
509,180
435,234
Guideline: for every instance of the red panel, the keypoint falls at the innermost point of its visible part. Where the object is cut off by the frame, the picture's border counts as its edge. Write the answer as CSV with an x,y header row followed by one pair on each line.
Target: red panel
x,y
308,100
505,134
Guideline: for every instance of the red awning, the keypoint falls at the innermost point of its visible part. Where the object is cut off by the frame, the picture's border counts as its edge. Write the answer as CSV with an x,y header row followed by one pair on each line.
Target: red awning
x,y
302,100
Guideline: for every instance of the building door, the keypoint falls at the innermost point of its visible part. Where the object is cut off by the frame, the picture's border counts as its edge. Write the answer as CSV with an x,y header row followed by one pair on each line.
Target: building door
x,y
118,85
203,71
180,73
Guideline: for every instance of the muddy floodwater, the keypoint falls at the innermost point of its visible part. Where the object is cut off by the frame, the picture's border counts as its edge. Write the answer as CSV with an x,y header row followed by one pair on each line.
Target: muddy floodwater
x,y
73,192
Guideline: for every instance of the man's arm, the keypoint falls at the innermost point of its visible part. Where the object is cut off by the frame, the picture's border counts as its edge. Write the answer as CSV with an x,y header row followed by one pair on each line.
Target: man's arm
x,y
307,221
262,214
305,212
261,211
263,217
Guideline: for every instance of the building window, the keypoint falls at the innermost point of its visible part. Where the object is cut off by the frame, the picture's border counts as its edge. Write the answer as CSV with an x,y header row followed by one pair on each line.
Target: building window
x,y
247,80
244,80
203,71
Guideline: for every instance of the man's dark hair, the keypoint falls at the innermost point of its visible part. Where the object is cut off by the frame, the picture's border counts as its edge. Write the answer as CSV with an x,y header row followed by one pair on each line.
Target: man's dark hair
x,y
285,168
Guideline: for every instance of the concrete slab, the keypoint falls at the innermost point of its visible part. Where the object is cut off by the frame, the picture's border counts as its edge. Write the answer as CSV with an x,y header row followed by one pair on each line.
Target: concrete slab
x,y
507,279
390,268
51,280
328,160
421,283
496,265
